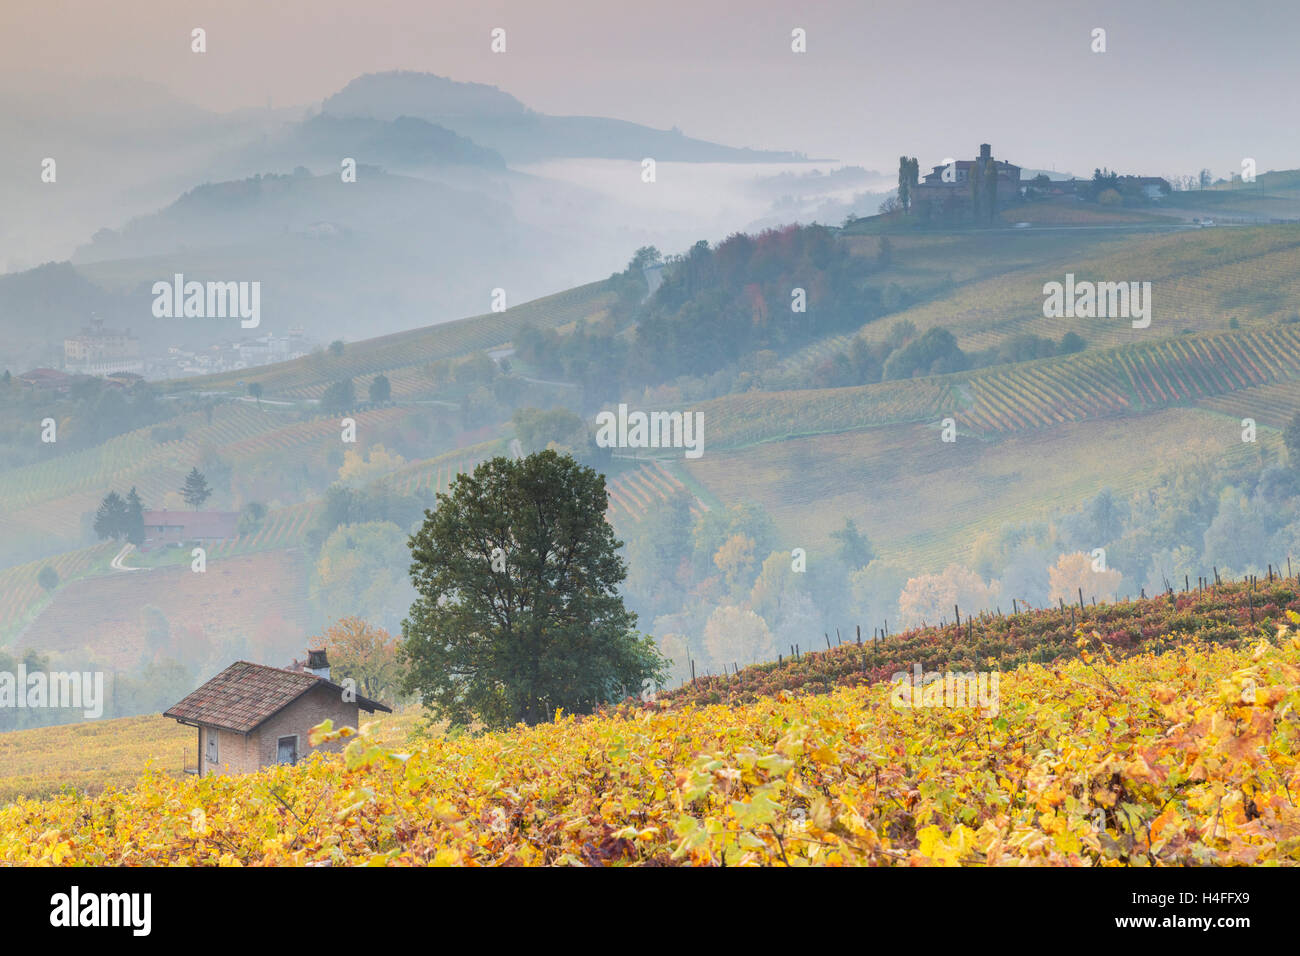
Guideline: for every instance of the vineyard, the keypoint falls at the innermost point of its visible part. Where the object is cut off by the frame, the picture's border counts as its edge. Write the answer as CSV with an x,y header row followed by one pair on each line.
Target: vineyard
x,y
434,475
1136,378
1175,371
90,756
637,492
48,500
955,492
313,438
1199,280
752,417
20,593
1228,614
1188,757
1274,405
281,528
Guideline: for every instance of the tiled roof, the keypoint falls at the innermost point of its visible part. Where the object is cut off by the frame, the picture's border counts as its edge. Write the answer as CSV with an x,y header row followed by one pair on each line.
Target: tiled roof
x,y
244,695
197,524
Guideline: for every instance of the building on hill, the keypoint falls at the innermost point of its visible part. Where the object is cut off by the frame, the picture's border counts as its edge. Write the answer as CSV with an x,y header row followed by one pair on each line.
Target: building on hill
x,y
101,351
251,716
970,190
182,527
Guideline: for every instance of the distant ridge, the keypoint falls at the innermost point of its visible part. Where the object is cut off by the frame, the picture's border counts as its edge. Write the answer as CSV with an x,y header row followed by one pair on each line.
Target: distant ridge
x,y
495,119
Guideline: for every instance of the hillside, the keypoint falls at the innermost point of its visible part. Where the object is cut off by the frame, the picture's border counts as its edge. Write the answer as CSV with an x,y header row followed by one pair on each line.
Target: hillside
x,y
787,462
1229,615
258,600
496,119
1180,758
416,347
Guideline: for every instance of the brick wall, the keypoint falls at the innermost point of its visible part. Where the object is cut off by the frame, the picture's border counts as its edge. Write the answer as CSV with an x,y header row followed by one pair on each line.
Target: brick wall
x,y
237,753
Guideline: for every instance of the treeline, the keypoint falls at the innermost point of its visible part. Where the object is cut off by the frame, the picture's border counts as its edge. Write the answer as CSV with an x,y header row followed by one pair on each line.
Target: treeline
x,y
151,688
776,292
903,353
91,412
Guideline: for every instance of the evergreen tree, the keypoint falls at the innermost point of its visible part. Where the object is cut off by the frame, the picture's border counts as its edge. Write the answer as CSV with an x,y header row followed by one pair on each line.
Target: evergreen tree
x,y
134,520
111,517
380,389
909,177
339,397
195,491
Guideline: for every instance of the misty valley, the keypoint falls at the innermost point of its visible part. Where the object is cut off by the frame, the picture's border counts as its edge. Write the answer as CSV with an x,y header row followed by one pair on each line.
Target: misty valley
x,y
418,449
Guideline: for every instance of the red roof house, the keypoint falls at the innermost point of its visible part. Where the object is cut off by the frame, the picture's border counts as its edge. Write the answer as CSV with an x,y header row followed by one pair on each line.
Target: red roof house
x,y
181,527
251,716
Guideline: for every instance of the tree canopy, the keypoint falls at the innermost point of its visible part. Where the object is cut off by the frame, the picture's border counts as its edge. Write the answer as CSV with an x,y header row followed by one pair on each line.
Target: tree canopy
x,y
195,491
518,611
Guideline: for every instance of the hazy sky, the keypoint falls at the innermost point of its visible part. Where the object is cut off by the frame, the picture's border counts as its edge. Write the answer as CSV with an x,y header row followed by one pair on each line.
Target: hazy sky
x,y
1183,83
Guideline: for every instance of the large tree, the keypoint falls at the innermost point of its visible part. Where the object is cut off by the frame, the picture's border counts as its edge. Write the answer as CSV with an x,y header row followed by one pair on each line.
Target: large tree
x,y
364,653
339,397
195,491
908,180
134,521
111,517
519,612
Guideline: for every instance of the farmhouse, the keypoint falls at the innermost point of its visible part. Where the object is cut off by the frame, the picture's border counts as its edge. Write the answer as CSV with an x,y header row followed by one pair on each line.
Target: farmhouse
x,y
251,716
182,527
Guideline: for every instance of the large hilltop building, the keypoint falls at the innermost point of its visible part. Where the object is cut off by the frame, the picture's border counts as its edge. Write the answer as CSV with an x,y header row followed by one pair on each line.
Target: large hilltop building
x,y
101,351
967,189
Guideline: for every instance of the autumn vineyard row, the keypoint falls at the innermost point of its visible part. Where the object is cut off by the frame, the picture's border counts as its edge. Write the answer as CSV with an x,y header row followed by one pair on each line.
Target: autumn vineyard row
x,y
1185,757
1227,614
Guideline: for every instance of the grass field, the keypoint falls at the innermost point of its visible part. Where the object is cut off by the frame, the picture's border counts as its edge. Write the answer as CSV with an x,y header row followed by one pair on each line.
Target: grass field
x,y
925,502
1200,279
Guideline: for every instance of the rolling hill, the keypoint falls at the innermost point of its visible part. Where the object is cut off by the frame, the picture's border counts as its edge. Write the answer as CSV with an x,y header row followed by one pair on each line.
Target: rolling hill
x,y
496,119
1034,438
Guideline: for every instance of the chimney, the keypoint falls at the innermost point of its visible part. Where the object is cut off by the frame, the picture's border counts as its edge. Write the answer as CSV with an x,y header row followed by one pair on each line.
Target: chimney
x,y
986,151
318,663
